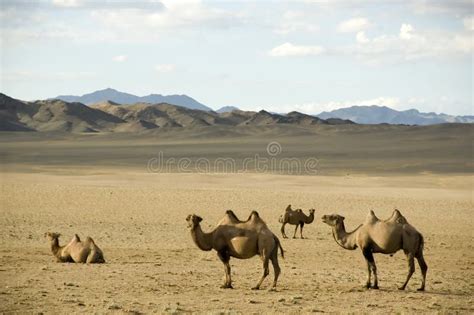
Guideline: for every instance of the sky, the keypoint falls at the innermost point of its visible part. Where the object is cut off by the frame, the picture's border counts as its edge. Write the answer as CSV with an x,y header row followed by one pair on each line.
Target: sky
x,y
310,56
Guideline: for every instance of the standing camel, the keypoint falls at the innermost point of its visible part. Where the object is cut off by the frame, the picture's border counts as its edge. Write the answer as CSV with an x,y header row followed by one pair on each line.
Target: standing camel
x,y
381,236
239,239
295,217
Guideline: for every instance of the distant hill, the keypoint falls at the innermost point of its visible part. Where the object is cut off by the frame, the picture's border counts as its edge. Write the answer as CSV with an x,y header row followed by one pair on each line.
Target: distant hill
x,y
52,115
226,109
109,116
381,114
126,98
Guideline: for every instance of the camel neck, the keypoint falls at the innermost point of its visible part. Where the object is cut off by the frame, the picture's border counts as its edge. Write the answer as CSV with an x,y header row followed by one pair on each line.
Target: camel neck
x,y
55,246
309,219
202,240
343,238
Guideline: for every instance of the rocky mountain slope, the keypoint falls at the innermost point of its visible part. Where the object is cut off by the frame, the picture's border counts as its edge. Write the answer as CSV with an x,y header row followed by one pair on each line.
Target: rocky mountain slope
x,y
109,116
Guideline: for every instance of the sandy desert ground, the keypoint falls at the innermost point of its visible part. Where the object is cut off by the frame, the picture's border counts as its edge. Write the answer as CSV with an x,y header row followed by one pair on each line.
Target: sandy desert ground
x,y
138,219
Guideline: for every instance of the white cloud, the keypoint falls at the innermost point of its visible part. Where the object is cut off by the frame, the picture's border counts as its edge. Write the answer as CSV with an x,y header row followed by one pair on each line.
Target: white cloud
x,y
353,25
289,50
454,7
165,68
67,3
406,31
468,23
361,38
120,58
295,21
410,44
139,25
416,101
108,21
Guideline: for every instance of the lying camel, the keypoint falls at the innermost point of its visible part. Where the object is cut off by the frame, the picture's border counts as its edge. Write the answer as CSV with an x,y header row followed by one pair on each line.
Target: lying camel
x,y
76,250
381,236
239,239
295,217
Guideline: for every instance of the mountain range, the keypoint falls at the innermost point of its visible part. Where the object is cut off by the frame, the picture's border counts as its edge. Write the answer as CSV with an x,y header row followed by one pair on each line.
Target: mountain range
x,y
113,111
126,98
360,114
381,114
108,116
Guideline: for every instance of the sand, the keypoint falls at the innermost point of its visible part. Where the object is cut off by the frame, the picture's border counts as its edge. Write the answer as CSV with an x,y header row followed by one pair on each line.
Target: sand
x,y
138,219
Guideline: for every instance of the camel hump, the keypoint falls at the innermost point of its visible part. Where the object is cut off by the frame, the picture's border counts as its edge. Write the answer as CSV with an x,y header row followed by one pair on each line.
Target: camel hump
x,y
254,218
90,240
299,210
399,217
231,214
371,217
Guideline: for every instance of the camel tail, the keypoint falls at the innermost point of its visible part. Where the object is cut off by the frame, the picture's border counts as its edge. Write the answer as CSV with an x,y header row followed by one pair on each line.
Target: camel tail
x,y
279,246
421,246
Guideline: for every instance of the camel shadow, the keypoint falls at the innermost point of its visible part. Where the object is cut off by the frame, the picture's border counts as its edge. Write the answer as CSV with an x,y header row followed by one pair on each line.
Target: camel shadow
x,y
396,290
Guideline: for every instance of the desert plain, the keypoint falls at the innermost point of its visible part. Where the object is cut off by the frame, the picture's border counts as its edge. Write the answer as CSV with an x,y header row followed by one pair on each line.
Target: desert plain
x,y
102,185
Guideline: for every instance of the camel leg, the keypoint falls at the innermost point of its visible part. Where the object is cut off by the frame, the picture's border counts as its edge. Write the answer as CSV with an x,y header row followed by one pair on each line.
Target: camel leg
x,y
411,270
301,230
265,271
296,229
224,257
283,231
367,285
369,257
90,258
276,268
424,269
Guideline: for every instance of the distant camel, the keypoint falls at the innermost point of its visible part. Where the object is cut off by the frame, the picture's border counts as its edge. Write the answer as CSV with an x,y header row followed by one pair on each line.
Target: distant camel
x,y
386,237
75,250
295,217
239,239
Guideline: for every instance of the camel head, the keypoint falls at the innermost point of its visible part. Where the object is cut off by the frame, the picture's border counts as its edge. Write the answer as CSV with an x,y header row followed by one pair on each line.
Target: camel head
x,y
311,211
332,219
52,235
193,220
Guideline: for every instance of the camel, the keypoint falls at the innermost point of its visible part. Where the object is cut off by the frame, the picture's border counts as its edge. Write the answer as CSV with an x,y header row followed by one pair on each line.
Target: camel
x,y
76,250
239,239
295,217
381,236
